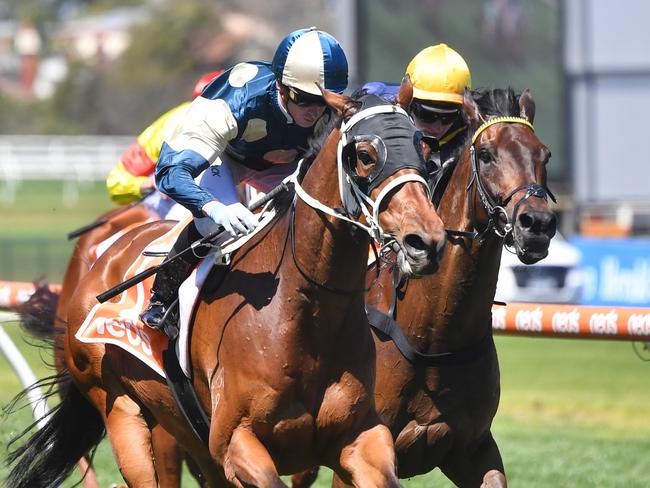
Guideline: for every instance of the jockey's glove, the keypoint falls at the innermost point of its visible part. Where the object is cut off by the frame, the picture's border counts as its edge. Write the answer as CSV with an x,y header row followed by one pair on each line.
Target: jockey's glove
x,y
235,218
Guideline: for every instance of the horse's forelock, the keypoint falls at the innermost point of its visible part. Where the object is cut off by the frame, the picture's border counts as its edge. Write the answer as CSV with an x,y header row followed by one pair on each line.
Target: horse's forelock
x,y
498,102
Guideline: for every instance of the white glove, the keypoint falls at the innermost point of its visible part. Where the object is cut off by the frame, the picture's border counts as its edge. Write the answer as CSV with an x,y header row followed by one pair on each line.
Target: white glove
x,y
235,218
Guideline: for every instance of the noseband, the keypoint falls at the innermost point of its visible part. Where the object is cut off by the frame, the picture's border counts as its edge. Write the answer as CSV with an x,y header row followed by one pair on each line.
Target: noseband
x,y
497,212
348,182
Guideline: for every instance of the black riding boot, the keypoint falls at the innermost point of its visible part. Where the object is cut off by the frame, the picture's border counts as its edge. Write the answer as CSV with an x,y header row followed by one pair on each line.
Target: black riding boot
x,y
168,280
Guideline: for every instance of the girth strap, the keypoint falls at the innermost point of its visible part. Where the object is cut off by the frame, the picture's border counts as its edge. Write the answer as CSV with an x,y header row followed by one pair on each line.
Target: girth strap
x,y
185,395
387,326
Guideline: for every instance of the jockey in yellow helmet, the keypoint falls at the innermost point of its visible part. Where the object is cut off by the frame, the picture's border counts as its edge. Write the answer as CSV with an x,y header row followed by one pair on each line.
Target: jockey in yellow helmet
x,y
439,76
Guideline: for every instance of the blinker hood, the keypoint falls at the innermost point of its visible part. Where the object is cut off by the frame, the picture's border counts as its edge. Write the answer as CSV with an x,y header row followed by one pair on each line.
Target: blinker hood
x,y
397,144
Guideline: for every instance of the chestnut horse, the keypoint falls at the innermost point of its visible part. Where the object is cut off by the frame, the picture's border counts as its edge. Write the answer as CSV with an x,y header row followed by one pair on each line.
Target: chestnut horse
x,y
439,405
282,355
44,315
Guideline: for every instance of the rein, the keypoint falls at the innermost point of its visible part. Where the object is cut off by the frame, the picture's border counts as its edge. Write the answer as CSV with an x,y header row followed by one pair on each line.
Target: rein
x,y
331,289
386,324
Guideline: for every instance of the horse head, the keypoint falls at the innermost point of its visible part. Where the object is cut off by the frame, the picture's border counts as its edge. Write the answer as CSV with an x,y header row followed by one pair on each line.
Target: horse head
x,y
509,172
383,178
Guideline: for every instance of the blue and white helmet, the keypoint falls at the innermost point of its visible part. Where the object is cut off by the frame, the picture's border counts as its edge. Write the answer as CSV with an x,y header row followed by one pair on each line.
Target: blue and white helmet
x,y
309,56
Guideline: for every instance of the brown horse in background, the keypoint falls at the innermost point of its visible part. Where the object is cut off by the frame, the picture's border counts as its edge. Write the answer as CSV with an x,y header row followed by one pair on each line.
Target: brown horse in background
x,y
283,359
45,317
439,405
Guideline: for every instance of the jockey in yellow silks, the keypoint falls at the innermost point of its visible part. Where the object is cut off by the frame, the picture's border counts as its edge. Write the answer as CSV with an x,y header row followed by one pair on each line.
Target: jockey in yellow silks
x,y
132,177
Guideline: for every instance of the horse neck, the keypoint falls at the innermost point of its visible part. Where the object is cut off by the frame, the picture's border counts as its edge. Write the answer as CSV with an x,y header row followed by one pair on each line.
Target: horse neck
x,y
329,251
457,307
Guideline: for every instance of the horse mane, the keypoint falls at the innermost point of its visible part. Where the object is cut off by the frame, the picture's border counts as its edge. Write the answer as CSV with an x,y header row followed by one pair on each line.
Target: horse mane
x,y
498,102
495,102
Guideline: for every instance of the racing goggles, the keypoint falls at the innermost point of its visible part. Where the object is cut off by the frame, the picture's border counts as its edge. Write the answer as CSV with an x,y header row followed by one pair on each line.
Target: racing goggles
x,y
304,99
430,114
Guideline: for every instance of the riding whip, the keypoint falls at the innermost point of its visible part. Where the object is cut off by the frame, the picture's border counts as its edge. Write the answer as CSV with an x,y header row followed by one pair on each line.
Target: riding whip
x,y
117,289
97,223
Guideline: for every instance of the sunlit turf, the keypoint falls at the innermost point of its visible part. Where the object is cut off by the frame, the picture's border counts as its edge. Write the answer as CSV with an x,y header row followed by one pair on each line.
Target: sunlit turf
x,y
35,224
573,414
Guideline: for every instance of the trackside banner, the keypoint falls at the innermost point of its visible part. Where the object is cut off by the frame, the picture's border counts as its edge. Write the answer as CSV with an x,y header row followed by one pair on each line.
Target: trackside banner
x,y
617,271
534,319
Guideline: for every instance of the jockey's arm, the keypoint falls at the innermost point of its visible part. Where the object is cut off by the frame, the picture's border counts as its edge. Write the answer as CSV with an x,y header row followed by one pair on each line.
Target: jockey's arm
x,y
197,142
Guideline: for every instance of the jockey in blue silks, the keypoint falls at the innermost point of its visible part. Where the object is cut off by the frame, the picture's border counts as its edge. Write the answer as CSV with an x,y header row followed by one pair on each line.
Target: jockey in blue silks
x,y
249,125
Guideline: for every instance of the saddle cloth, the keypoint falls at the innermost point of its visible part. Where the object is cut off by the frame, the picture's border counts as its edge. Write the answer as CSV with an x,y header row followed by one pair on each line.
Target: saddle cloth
x,y
99,249
119,323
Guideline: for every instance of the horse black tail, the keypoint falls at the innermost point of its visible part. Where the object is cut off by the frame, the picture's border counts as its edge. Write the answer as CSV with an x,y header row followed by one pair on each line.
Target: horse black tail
x,y
72,429
38,313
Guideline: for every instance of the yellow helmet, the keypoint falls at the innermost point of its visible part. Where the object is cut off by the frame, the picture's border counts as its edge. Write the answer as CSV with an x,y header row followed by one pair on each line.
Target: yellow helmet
x,y
439,74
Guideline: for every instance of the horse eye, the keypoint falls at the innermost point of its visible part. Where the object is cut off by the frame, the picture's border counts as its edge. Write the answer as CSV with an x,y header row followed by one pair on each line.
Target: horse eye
x,y
548,158
365,158
484,155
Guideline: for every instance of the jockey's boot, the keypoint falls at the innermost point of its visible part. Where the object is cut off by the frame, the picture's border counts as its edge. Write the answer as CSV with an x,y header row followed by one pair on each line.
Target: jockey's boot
x,y
168,280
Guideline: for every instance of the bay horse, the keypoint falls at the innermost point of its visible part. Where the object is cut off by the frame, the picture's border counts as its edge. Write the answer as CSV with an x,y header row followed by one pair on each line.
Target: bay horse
x,y
440,404
282,356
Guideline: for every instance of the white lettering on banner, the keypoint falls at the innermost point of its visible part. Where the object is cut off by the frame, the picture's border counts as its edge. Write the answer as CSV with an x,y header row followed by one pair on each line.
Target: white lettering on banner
x,y
639,324
23,294
529,320
499,318
566,322
120,328
604,323
115,328
132,333
626,285
5,295
100,325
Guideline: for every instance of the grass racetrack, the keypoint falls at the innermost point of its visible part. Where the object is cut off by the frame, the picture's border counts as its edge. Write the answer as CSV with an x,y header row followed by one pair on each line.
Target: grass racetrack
x,y
573,413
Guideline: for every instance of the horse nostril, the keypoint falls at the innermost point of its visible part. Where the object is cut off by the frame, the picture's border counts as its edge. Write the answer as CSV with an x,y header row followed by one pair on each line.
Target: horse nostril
x,y
538,222
526,220
415,242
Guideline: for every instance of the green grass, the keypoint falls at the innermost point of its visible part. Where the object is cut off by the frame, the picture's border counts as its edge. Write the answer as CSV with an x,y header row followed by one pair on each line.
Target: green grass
x,y
33,240
573,414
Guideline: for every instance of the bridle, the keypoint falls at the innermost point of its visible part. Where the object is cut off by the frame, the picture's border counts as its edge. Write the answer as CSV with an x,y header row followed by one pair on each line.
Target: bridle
x,y
349,183
499,222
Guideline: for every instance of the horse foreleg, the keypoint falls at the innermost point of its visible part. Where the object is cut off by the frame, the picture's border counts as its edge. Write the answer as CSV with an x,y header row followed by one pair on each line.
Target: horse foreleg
x,y
305,478
481,469
369,461
168,456
130,439
248,463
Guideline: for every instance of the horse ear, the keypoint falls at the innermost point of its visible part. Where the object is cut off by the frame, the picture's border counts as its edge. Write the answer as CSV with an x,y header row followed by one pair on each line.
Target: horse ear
x,y
527,106
471,109
343,105
405,93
